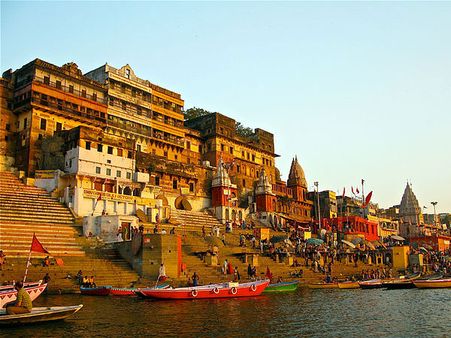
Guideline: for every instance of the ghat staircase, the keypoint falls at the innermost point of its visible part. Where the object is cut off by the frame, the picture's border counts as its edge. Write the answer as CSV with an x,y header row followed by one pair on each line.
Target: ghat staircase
x,y
190,228
25,210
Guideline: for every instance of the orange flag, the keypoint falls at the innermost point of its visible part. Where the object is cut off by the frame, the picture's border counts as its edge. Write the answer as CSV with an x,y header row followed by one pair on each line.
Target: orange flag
x,y
36,246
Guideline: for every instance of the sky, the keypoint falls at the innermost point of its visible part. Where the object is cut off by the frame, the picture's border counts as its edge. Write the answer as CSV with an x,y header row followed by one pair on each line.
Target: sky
x,y
355,90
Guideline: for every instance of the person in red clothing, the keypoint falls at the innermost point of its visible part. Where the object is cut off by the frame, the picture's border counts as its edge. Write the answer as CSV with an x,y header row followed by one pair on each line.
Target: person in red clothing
x,y
268,273
230,269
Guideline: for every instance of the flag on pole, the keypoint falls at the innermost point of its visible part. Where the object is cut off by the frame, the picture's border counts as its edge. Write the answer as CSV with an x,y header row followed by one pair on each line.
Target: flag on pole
x,y
344,191
368,199
36,246
352,190
357,190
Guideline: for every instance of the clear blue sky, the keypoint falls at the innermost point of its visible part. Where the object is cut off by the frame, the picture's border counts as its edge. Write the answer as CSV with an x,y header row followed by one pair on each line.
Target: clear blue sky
x,y
355,90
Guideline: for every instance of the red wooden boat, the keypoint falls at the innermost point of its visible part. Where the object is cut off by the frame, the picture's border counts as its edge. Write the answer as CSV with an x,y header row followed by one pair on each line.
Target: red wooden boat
x,y
222,290
8,294
97,291
128,292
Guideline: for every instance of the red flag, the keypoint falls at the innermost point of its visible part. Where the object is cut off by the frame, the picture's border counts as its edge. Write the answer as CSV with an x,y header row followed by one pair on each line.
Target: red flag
x,y
368,199
352,190
100,197
357,190
36,246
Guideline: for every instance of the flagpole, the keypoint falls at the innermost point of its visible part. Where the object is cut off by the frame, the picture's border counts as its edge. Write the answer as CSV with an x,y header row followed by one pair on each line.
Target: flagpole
x,y
28,262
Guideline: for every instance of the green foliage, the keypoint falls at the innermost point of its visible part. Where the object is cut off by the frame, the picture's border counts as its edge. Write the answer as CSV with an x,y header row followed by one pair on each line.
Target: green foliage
x,y
194,112
244,131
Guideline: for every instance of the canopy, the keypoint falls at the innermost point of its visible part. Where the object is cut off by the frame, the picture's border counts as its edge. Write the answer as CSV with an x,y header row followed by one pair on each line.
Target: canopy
x,y
315,241
398,238
370,245
422,248
348,243
277,239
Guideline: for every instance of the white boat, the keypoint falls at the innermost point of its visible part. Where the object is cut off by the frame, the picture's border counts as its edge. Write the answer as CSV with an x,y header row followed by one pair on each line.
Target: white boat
x,y
8,294
38,314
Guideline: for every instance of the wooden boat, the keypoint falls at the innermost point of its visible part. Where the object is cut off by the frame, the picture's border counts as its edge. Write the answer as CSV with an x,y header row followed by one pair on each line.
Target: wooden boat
x,y
129,292
348,285
433,283
323,285
97,291
8,295
371,284
221,290
38,315
405,282
282,287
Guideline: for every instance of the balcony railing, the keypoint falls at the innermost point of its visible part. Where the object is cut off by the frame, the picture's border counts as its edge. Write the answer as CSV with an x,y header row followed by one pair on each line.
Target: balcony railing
x,y
70,90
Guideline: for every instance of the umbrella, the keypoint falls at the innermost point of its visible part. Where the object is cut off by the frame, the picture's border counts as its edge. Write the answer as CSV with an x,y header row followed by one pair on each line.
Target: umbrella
x,y
397,238
422,248
370,245
315,241
348,243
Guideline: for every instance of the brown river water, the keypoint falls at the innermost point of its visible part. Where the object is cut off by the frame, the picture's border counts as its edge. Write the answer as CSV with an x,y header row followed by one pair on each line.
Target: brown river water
x,y
305,313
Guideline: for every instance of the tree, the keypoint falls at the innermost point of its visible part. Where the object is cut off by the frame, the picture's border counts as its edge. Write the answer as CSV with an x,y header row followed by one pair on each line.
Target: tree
x,y
243,131
194,112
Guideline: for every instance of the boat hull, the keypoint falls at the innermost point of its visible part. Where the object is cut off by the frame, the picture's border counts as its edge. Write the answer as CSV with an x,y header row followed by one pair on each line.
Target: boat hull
x,y
348,285
433,283
100,291
38,315
371,284
282,287
10,295
124,292
206,292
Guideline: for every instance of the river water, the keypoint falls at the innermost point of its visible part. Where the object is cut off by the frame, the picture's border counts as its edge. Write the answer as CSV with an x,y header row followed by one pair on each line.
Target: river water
x,y
305,313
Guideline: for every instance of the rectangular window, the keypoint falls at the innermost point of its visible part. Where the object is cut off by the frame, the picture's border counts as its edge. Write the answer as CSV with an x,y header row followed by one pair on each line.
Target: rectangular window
x,y
58,84
174,184
119,152
118,173
231,150
94,96
83,92
71,89
97,170
129,175
108,171
130,154
88,145
222,147
253,158
157,180
99,148
191,187
59,126
25,123
47,80
110,150
165,154
43,124
237,168
138,148
188,145
244,183
176,157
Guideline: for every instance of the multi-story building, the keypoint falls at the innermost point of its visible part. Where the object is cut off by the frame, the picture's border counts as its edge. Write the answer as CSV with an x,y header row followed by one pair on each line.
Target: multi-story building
x,y
47,99
7,121
143,111
327,203
243,155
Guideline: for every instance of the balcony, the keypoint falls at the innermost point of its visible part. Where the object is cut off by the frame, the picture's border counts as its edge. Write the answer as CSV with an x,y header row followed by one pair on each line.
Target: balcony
x,y
70,90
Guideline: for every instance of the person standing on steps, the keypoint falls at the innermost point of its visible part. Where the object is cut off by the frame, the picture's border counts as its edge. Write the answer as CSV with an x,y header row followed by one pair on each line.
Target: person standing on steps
x,y
195,279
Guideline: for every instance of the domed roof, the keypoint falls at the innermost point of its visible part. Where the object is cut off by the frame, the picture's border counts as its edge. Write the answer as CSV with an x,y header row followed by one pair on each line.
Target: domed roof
x,y
409,203
296,176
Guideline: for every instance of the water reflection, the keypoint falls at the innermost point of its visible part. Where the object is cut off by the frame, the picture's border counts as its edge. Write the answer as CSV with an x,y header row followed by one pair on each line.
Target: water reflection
x,y
307,313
